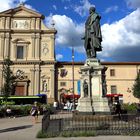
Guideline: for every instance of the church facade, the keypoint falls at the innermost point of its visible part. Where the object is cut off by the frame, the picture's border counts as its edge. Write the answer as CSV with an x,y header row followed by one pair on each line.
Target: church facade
x,y
30,45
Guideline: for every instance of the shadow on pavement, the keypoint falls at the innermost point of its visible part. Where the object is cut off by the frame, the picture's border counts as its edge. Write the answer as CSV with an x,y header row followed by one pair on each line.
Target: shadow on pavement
x,y
15,128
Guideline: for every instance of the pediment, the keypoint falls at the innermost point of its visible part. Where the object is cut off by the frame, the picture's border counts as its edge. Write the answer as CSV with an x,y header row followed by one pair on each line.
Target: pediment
x,y
21,11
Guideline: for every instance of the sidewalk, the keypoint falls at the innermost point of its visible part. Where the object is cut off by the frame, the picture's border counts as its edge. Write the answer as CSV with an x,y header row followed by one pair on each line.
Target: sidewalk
x,y
22,129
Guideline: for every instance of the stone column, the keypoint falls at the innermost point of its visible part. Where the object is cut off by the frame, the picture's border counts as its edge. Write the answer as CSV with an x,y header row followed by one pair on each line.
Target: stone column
x,y
37,49
52,93
37,80
7,22
32,81
7,43
3,22
2,46
52,47
26,52
38,23
15,51
33,23
33,46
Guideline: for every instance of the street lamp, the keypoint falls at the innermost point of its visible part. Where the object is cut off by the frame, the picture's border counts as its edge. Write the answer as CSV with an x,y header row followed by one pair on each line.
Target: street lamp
x,y
129,93
73,77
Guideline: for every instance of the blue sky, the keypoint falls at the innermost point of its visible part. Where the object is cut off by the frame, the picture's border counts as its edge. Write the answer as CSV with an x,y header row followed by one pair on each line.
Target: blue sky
x,y
120,24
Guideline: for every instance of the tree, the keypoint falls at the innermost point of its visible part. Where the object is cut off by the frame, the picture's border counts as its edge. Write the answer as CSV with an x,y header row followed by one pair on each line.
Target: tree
x,y
9,79
136,87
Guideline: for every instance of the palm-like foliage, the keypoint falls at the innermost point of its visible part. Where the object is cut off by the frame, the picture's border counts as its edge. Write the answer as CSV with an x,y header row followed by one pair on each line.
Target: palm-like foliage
x,y
9,79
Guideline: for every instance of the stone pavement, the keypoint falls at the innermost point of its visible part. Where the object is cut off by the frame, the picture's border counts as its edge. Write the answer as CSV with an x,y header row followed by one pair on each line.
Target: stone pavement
x,y
22,129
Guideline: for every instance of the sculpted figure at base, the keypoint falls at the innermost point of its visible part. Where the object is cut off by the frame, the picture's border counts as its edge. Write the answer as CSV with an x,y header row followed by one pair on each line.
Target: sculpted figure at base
x,y
93,37
85,88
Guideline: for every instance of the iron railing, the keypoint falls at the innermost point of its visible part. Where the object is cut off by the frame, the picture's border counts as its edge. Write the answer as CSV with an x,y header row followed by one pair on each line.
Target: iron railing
x,y
101,124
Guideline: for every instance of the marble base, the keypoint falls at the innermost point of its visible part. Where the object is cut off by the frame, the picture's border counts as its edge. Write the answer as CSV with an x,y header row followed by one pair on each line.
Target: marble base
x,y
84,106
93,73
100,105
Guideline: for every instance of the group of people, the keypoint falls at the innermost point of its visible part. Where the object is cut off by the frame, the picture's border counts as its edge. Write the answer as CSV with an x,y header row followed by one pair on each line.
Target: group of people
x,y
61,106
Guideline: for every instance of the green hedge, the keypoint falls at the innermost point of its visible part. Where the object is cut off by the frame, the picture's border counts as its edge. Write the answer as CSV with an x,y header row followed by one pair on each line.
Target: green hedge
x,y
130,107
16,110
23,110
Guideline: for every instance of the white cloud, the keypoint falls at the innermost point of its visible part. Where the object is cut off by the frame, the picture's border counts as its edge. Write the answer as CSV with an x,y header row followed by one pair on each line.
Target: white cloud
x,y
54,6
65,0
66,8
112,8
84,8
7,4
59,56
121,40
69,33
133,3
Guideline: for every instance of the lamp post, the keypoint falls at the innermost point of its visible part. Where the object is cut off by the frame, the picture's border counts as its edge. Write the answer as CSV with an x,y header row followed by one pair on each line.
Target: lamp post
x,y
73,77
129,93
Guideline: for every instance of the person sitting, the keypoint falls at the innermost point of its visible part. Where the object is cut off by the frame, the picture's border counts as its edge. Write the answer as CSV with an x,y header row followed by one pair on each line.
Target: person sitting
x,y
9,112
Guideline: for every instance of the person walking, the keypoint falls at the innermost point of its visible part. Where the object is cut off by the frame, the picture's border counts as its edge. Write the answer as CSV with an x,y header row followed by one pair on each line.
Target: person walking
x,y
34,112
118,109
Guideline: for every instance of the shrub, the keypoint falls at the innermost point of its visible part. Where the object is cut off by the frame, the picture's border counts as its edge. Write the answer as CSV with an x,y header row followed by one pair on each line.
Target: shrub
x,y
78,133
130,107
41,134
7,102
22,110
17,110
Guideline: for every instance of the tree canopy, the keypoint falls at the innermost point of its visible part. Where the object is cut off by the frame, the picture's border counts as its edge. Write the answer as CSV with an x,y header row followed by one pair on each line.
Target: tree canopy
x,y
136,87
9,78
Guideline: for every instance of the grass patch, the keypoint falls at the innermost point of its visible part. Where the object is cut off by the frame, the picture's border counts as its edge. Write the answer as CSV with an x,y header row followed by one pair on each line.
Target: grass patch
x,y
42,134
78,134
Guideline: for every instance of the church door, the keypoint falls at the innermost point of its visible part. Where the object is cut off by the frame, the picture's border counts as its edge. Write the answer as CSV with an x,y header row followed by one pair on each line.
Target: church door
x,y
19,90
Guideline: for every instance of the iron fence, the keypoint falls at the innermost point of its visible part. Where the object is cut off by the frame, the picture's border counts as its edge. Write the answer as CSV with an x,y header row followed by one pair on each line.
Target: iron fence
x,y
100,124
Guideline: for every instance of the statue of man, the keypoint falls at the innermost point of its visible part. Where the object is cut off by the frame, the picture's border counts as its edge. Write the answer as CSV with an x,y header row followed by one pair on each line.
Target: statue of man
x,y
85,88
93,37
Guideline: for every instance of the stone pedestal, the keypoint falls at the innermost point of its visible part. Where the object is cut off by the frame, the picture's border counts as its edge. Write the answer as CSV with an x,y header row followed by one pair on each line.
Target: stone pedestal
x,y
100,105
94,102
85,106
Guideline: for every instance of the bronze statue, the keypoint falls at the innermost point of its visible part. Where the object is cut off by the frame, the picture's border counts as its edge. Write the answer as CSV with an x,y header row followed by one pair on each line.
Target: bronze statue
x,y
85,88
93,37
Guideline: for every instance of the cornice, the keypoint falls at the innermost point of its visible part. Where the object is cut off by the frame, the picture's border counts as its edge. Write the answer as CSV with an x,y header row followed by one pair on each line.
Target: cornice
x,y
68,63
103,63
39,62
120,63
11,12
29,31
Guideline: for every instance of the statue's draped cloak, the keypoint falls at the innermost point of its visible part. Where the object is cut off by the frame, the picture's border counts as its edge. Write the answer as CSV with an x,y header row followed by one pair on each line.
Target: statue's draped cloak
x,y
93,32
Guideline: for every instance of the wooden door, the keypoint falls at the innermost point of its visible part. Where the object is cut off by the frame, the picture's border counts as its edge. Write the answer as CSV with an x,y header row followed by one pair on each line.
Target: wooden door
x,y
19,91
